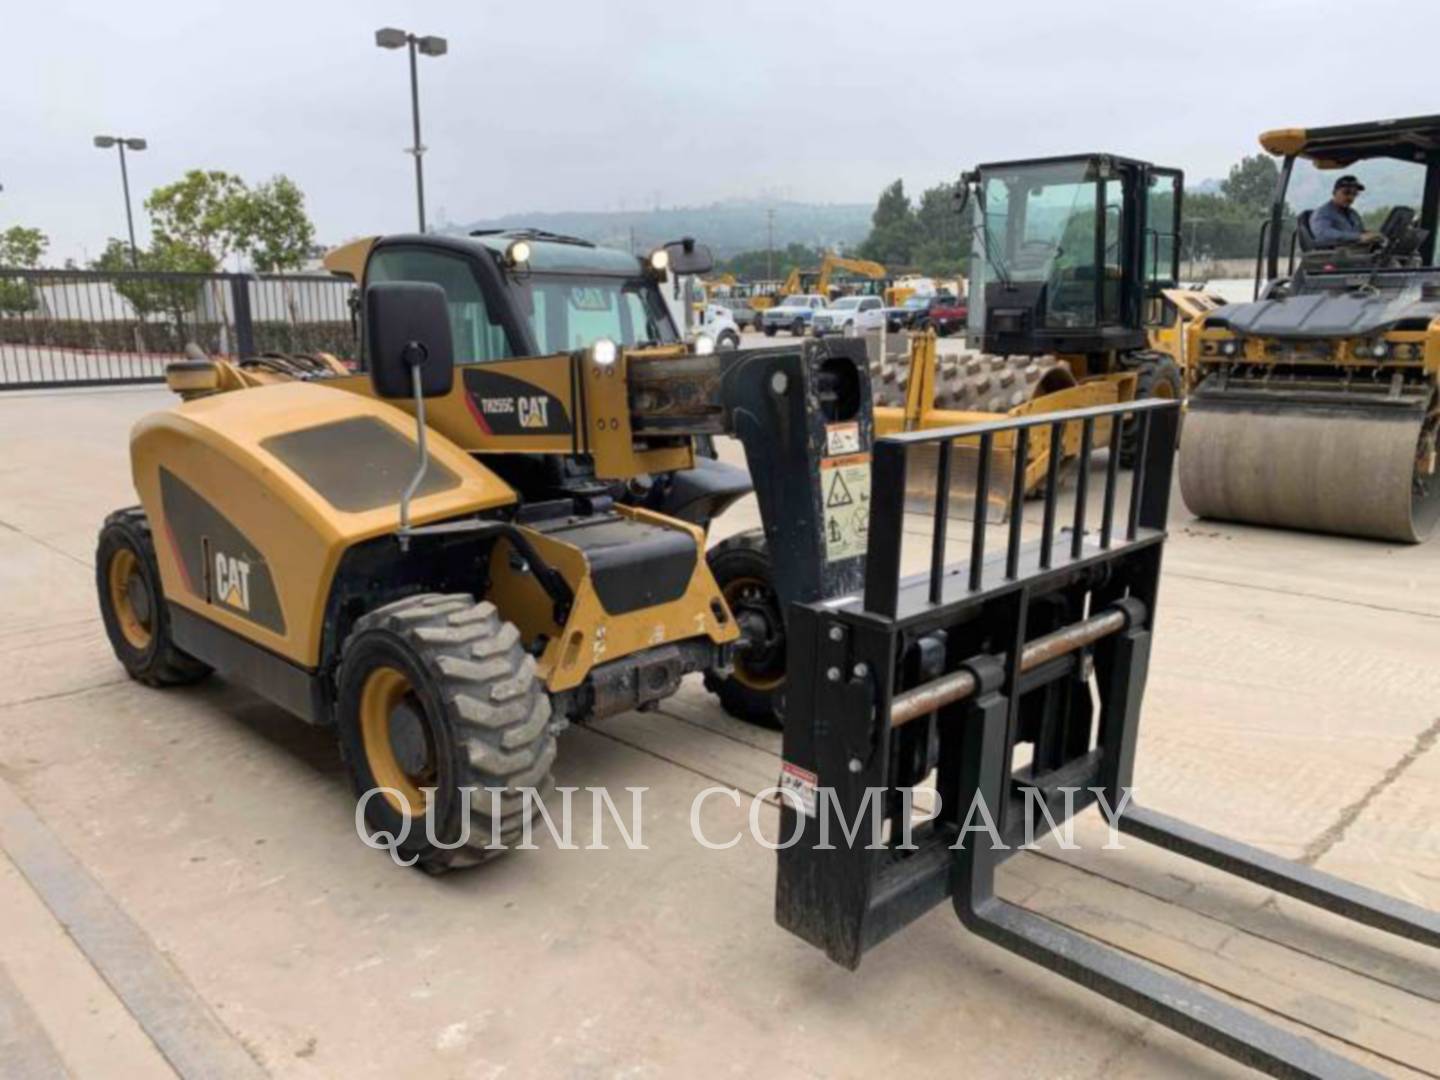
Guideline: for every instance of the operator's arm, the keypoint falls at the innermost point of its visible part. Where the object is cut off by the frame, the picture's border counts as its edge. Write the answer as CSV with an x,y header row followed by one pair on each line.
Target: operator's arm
x,y
1332,228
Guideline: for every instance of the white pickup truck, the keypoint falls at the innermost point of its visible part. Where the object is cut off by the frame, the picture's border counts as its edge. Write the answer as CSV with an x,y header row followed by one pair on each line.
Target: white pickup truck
x,y
849,315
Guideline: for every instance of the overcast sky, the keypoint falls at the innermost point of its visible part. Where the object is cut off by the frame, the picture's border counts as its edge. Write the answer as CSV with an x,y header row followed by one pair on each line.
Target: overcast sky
x,y
551,105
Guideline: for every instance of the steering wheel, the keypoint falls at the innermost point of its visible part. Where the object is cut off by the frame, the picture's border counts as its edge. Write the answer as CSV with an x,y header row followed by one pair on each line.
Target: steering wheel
x,y
1397,226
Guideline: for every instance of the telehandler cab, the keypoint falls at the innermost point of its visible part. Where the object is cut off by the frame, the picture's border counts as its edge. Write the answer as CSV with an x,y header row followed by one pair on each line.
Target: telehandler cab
x,y
545,562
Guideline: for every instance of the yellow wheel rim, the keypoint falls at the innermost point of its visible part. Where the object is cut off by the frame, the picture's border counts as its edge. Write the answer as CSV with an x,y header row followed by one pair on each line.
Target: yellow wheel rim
x,y
127,585
735,592
389,709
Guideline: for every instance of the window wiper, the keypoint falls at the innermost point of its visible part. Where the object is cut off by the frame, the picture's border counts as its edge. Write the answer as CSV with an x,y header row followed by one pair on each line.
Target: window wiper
x,y
991,256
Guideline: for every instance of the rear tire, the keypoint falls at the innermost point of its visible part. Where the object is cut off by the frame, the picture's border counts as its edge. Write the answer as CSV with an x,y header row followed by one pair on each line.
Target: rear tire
x,y
754,688
132,604
728,340
438,691
1158,376
797,328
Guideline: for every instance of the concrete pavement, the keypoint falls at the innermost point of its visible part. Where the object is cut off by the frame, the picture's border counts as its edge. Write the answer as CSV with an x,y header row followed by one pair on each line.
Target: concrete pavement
x,y
1294,702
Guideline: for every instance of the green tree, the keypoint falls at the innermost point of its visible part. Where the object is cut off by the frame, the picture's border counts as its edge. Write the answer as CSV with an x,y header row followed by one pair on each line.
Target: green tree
x,y
1251,183
20,249
753,265
175,299
217,213
894,229
202,212
275,233
944,246
23,248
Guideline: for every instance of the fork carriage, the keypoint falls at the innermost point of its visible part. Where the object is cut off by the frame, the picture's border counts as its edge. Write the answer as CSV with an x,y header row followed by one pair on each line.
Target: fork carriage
x,y
1042,645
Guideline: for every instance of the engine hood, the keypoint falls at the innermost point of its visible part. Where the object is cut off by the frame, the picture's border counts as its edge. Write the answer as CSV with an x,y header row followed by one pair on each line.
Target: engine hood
x,y
1330,313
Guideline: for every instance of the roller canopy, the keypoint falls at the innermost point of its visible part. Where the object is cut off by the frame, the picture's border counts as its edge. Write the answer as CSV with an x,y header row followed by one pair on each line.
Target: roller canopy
x,y
1413,139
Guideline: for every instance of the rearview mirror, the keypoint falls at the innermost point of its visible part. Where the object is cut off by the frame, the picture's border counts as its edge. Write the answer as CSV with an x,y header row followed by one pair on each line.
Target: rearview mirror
x,y
688,257
407,331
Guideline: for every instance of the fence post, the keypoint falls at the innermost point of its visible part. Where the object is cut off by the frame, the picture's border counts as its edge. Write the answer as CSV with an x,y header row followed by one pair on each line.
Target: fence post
x,y
244,326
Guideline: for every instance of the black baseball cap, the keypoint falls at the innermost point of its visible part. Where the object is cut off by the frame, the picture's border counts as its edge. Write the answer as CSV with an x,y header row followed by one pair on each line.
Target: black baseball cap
x,y
1348,181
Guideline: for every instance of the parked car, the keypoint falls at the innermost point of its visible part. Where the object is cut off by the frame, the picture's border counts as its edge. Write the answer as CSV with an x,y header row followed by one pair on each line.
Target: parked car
x,y
942,311
718,321
849,315
898,318
740,310
793,313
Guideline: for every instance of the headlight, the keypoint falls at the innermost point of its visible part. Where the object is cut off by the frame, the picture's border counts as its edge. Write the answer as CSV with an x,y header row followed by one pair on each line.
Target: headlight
x,y
604,352
1380,350
659,260
704,344
518,252
1230,348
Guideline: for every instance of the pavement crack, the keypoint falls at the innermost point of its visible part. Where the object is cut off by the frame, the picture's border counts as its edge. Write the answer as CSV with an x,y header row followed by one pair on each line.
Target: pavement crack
x,y
1318,847
74,691
17,530
1301,593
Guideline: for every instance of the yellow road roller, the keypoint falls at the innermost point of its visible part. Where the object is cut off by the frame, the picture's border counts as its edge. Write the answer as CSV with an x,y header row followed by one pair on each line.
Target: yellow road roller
x,y
1317,405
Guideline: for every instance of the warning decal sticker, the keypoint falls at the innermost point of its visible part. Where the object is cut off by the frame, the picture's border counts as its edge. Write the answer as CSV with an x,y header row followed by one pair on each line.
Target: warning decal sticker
x,y
845,495
842,438
802,784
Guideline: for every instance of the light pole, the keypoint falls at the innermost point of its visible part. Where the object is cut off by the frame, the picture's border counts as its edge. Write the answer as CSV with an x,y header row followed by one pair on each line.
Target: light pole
x,y
770,244
390,38
104,142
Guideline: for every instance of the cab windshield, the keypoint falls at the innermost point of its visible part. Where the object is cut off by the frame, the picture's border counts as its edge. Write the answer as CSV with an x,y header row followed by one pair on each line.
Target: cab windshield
x,y
1038,225
846,303
573,311
1040,220
1387,182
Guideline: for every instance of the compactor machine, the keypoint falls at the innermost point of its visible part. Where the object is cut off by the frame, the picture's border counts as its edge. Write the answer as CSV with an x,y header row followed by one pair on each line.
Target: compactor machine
x,y
1074,302
496,527
1317,405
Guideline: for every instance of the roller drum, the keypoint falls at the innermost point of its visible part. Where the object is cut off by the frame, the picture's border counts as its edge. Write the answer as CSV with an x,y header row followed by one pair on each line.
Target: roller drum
x,y
1354,469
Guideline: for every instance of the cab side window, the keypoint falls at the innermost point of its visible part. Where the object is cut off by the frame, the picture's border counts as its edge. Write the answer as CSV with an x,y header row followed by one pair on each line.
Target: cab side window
x,y
477,338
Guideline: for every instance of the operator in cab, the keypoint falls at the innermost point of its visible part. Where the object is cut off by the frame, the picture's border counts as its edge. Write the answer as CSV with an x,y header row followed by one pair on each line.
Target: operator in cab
x,y
1336,223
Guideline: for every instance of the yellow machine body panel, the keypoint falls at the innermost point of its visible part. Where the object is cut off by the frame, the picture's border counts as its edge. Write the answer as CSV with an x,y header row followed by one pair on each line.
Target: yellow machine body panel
x,y
592,634
560,404
254,496
1176,332
348,260
920,413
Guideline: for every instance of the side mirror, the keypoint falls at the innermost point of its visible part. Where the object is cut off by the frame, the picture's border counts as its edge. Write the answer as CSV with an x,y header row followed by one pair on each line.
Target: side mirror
x,y
407,334
412,355
688,257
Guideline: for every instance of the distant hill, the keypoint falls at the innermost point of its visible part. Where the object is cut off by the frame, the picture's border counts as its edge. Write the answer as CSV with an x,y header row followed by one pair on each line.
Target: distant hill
x,y
729,227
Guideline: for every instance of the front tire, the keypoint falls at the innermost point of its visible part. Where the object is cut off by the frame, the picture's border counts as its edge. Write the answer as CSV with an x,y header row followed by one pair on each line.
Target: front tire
x,y
753,690
1157,376
770,330
132,604
438,692
728,340
797,328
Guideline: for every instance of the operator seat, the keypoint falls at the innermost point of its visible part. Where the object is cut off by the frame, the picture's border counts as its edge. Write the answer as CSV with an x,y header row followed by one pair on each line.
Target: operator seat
x,y
1303,233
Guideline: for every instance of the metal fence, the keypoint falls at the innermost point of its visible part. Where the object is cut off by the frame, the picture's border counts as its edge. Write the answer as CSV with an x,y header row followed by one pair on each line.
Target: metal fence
x,y
89,328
